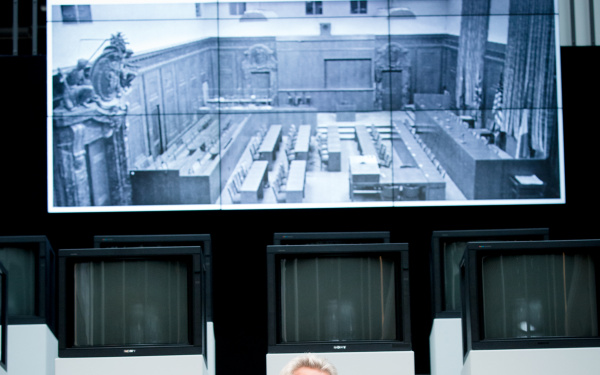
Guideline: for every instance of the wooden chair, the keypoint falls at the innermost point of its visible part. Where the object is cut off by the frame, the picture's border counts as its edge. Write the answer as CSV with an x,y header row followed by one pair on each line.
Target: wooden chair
x,y
290,154
238,179
279,195
254,146
235,196
236,185
282,173
386,161
324,156
381,150
244,170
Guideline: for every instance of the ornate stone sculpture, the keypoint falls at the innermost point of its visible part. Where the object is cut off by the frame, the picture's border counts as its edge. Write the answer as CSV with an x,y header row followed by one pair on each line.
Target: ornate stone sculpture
x,y
112,74
102,82
75,87
391,57
259,59
90,131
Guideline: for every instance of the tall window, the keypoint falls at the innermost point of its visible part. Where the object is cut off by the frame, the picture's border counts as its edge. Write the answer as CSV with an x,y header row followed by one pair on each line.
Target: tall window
x,y
358,7
76,13
237,9
314,7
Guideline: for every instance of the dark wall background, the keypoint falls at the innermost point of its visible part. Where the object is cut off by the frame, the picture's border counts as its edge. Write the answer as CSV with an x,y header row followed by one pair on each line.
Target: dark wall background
x,y
240,237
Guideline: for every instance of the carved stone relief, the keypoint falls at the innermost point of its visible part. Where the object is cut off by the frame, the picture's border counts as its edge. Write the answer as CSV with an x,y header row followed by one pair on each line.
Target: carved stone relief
x,y
89,110
392,57
259,71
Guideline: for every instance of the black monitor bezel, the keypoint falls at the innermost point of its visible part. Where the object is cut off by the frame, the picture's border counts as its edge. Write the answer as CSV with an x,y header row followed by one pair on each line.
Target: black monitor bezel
x,y
3,317
141,240
472,292
305,238
45,283
439,237
196,314
276,252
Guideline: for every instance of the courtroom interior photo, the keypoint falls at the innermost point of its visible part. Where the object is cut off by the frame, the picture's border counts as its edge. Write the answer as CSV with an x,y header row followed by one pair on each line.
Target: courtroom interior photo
x,y
400,187
303,104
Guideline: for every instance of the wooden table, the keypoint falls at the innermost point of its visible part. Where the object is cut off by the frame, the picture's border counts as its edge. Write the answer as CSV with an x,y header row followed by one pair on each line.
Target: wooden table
x,y
527,186
413,171
270,145
240,101
254,183
334,149
365,142
302,142
364,175
296,180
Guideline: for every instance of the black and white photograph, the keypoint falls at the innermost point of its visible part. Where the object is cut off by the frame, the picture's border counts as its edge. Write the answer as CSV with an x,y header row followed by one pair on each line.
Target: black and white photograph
x,y
214,105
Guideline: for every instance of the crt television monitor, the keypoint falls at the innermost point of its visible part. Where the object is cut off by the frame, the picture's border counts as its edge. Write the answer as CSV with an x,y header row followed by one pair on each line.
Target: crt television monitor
x,y
143,240
31,262
3,315
447,249
131,301
304,238
530,294
338,298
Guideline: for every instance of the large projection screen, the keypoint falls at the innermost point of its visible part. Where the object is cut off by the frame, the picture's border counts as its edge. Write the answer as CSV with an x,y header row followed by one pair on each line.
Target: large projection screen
x,y
180,105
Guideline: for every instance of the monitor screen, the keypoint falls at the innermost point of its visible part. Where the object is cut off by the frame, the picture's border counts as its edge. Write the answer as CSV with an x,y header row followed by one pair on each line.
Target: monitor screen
x,y
154,240
304,238
447,249
536,295
147,305
288,104
30,260
338,297
531,294
134,301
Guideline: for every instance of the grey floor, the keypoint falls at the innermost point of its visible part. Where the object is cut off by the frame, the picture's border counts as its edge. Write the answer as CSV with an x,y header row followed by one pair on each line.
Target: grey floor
x,y
323,186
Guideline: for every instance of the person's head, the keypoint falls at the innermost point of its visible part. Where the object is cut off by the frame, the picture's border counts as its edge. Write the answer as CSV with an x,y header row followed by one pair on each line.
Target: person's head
x,y
309,364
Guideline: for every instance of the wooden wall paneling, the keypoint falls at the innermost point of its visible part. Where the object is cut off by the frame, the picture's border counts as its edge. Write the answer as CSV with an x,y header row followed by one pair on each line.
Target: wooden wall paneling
x,y
153,99
137,131
195,85
428,71
348,73
303,66
449,72
183,74
227,74
210,64
171,114
300,71
300,65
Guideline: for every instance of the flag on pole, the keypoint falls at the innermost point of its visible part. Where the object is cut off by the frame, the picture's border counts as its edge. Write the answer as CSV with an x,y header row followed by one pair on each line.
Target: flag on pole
x,y
523,144
497,107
